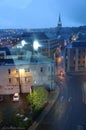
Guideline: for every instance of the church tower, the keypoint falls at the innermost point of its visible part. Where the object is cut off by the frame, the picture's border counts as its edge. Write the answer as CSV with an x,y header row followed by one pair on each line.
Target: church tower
x,y
59,22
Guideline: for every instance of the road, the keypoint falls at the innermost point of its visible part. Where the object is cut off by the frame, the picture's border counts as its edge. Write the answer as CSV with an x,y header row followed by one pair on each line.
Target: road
x,y
69,111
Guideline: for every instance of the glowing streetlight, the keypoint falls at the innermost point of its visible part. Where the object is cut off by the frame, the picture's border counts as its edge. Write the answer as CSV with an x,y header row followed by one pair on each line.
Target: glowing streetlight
x,y
36,45
23,42
21,45
21,71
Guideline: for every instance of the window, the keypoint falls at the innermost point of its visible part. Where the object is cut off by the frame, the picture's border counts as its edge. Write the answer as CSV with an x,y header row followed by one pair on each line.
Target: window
x,y
74,58
27,70
79,51
84,50
65,64
48,68
9,71
79,56
79,62
16,70
17,79
9,80
41,69
1,55
66,61
66,51
83,62
66,57
73,51
26,79
84,56
52,68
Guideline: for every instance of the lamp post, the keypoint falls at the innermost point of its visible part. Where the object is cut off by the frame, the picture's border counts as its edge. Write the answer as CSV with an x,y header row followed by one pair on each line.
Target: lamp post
x,y
36,45
31,102
21,71
23,42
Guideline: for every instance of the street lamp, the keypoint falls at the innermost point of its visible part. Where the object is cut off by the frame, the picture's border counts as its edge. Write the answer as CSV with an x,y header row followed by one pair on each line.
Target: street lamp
x,y
36,45
23,42
21,71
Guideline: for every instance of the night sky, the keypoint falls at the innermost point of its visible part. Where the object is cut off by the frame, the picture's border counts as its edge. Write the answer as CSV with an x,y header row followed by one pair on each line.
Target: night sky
x,y
41,13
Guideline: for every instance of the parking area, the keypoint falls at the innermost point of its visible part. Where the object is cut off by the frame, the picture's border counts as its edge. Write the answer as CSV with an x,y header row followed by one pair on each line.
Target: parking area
x,y
8,107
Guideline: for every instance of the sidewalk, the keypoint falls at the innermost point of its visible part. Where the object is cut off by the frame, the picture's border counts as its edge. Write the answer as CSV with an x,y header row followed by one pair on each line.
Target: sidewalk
x,y
52,98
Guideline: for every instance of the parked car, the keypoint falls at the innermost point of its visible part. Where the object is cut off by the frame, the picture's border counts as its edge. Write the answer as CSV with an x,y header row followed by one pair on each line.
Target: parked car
x,y
16,97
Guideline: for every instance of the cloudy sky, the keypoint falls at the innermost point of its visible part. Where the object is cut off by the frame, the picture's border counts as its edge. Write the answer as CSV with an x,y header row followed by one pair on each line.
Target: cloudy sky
x,y
41,13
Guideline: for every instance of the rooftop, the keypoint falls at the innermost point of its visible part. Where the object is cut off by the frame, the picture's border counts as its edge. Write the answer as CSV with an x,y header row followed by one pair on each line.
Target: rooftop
x,y
77,44
35,59
35,35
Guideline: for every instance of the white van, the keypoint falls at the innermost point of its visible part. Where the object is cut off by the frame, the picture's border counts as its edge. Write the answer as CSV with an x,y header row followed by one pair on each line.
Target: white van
x,y
16,97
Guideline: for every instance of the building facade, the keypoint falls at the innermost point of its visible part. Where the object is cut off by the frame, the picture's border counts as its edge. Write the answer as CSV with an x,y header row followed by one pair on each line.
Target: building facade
x,y
48,44
18,72
75,57
48,47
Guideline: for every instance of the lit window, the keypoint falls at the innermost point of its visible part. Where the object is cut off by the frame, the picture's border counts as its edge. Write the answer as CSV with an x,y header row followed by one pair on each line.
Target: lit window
x,y
26,80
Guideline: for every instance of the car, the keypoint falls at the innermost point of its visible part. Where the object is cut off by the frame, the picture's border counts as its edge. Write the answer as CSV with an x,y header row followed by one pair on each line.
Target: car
x,y
16,97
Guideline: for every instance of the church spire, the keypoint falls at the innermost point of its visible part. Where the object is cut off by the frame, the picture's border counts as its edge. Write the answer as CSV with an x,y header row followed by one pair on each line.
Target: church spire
x,y
59,21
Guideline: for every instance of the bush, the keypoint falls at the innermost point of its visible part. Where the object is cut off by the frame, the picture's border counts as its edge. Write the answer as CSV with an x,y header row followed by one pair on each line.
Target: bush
x,y
37,98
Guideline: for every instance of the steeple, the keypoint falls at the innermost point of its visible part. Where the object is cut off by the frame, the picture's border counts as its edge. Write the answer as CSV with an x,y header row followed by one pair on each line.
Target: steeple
x,y
59,22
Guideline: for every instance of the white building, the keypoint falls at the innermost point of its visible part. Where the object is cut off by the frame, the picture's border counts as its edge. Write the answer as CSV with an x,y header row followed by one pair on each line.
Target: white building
x,y
19,70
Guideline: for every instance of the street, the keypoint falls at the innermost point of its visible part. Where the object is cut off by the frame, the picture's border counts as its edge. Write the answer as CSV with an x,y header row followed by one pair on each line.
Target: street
x,y
69,111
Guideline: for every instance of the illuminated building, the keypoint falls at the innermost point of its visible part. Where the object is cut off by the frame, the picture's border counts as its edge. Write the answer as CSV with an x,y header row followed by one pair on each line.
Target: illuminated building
x,y
75,57
19,70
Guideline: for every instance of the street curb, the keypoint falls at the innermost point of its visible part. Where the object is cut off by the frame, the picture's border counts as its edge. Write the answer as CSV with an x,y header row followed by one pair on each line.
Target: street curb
x,y
44,112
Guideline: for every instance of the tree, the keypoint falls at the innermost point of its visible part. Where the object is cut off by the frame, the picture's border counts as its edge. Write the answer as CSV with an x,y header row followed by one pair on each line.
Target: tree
x,y
37,98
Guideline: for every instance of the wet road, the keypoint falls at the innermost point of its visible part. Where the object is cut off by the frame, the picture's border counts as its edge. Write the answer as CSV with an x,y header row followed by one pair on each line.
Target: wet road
x,y
69,111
